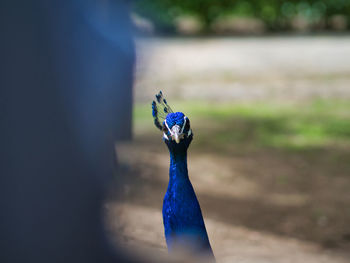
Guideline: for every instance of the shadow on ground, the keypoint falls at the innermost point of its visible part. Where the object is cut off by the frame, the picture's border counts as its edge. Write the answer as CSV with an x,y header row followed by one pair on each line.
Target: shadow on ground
x,y
287,197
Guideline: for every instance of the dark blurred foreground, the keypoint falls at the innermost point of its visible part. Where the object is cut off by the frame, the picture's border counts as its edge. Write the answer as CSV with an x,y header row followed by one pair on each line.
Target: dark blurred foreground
x,y
66,81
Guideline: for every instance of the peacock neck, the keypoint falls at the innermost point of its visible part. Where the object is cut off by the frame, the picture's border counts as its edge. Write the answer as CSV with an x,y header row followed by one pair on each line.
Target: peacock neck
x,y
178,165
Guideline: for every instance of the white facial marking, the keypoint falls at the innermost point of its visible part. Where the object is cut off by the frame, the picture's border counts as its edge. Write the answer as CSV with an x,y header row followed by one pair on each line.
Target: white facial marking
x,y
176,132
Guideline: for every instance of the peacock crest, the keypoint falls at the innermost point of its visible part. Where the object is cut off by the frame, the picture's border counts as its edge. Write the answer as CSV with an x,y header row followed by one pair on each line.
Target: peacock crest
x,y
160,110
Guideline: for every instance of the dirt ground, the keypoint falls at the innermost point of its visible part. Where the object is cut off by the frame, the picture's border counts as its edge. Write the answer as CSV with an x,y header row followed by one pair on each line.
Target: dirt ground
x,y
260,205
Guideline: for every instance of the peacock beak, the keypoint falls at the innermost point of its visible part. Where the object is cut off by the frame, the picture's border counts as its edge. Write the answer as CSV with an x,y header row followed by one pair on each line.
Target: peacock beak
x,y
175,132
176,137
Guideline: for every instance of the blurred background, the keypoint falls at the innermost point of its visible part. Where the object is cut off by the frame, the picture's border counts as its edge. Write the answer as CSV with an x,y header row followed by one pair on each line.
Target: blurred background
x,y
266,85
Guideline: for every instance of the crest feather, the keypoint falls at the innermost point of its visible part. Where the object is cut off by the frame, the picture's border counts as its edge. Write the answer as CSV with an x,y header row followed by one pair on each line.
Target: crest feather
x,y
160,110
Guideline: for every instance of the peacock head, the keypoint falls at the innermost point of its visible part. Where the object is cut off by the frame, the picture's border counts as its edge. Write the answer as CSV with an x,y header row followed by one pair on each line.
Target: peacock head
x,y
174,125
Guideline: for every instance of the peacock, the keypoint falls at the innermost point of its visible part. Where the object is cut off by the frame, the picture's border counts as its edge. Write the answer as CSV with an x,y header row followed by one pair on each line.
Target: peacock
x,y
184,226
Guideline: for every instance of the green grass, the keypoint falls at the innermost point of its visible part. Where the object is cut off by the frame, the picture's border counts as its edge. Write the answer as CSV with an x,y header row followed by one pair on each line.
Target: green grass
x,y
290,126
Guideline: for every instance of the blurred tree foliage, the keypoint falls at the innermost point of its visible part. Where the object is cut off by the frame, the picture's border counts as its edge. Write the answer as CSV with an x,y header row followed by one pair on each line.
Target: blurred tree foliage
x,y
275,14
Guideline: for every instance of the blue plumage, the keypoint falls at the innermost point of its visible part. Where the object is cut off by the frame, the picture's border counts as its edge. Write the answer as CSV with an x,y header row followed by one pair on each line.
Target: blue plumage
x,y
177,118
182,217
